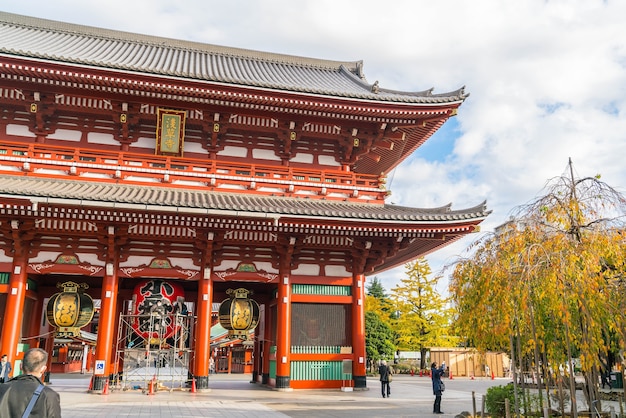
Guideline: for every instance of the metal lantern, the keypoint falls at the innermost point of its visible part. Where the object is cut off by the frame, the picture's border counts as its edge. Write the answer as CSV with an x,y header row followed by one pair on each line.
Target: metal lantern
x,y
70,310
239,314
155,306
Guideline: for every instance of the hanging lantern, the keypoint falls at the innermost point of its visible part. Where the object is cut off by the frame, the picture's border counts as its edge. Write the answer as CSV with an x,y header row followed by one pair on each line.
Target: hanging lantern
x,y
239,314
155,306
70,310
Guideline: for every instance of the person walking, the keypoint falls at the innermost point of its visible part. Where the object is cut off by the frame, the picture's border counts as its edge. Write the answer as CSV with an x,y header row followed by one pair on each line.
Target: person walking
x,y
606,378
5,369
385,378
27,391
211,365
438,386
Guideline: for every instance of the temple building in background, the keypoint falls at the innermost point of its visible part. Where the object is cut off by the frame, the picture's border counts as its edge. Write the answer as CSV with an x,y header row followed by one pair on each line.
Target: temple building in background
x,y
161,178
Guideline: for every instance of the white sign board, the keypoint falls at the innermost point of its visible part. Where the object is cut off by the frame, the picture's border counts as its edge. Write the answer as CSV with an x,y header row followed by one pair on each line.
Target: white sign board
x,y
99,367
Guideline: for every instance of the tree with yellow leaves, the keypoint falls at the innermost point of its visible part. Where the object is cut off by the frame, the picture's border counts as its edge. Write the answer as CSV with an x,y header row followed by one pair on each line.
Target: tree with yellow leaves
x,y
379,335
422,317
550,285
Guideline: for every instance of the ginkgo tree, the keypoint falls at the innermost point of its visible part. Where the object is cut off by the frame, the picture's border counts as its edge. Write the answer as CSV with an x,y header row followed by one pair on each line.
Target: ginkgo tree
x,y
379,335
378,301
422,317
550,285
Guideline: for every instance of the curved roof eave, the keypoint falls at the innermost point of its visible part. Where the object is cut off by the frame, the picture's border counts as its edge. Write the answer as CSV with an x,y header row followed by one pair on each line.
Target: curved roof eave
x,y
185,201
107,49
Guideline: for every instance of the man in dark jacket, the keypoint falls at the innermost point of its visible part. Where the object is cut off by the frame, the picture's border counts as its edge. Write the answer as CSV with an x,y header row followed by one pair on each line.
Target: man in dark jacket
x,y
436,374
385,378
5,369
16,394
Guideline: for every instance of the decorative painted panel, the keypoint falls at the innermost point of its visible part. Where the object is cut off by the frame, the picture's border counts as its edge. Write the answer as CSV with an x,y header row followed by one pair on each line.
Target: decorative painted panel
x,y
317,289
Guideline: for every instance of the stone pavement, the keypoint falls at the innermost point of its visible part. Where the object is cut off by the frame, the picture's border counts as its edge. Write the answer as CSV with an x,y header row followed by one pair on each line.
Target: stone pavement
x,y
234,396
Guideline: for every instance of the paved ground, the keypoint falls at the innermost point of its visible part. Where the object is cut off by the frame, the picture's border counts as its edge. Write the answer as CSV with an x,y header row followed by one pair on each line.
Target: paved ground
x,y
234,396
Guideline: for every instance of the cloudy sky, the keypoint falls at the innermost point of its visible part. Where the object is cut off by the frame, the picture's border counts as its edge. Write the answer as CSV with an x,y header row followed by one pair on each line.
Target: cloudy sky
x,y
547,80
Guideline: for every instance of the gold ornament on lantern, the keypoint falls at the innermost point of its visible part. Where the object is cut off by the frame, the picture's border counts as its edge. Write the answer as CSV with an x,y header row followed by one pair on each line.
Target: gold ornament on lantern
x,y
239,314
70,310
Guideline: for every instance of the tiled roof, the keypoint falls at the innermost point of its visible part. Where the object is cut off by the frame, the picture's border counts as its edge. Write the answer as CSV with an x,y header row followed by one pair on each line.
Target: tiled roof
x,y
87,193
76,44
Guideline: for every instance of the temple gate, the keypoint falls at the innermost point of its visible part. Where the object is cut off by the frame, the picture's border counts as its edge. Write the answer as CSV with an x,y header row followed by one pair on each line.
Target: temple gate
x,y
204,168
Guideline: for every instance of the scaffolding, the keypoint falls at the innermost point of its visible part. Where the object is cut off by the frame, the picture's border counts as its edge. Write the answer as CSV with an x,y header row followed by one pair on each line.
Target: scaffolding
x,y
146,353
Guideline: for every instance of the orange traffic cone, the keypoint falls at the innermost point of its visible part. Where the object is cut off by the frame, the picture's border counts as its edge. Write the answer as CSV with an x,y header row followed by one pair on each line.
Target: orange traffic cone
x,y
193,385
451,377
493,376
105,391
151,387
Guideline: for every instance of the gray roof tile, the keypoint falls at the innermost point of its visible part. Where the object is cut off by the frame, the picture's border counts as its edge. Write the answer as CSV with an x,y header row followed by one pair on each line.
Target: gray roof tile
x,y
42,189
77,44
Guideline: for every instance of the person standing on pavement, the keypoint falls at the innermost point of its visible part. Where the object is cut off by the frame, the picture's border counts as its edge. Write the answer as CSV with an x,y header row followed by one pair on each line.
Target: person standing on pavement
x,y
436,374
16,394
385,377
211,365
5,369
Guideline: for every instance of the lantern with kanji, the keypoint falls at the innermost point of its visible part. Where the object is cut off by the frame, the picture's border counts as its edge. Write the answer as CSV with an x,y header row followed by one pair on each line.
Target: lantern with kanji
x,y
239,314
156,303
70,310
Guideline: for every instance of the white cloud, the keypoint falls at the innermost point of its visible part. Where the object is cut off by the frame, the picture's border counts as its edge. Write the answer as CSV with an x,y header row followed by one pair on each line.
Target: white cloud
x,y
547,79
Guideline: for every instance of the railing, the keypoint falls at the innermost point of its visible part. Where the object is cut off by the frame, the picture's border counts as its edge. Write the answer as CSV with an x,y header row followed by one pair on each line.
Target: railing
x,y
317,349
317,289
44,160
318,370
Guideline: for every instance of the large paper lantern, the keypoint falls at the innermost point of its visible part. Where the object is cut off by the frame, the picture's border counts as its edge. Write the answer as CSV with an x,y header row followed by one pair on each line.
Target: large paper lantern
x,y
239,314
70,310
155,306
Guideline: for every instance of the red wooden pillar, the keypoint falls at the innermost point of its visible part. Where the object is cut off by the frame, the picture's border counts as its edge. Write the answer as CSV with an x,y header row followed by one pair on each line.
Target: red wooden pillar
x,y
106,327
46,343
266,338
49,347
117,365
257,349
283,335
91,357
63,351
203,331
358,331
229,357
35,323
14,309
